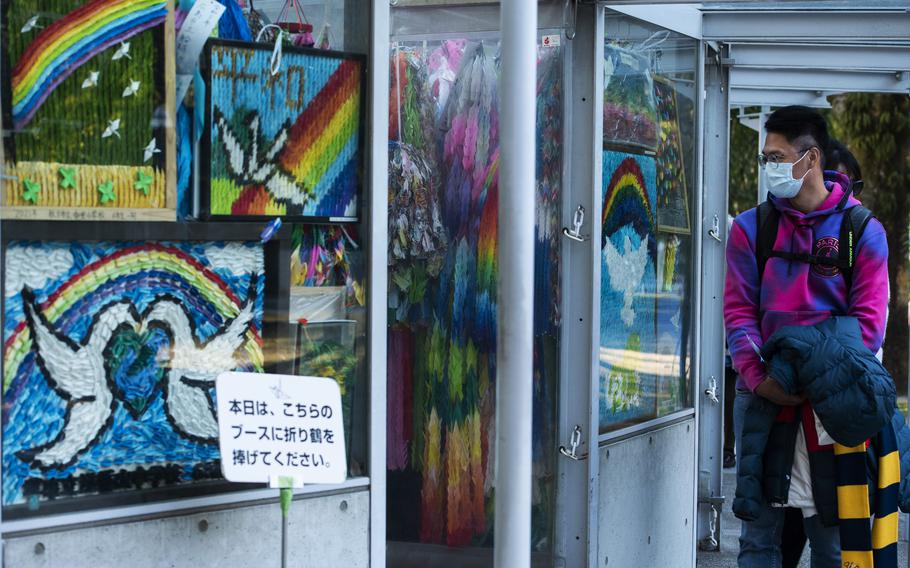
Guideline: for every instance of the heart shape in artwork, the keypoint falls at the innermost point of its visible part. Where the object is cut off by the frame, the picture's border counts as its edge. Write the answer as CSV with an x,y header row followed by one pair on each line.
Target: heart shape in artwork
x,y
136,363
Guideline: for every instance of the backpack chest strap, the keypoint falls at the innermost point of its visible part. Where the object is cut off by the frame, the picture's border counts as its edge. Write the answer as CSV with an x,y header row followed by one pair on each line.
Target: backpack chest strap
x,y
811,258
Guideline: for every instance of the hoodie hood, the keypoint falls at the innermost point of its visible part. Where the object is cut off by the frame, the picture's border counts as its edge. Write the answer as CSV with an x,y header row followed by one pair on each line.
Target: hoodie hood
x,y
837,184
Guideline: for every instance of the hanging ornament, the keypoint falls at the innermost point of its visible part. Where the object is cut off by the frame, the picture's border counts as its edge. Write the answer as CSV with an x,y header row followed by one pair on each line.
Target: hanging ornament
x,y
324,39
294,21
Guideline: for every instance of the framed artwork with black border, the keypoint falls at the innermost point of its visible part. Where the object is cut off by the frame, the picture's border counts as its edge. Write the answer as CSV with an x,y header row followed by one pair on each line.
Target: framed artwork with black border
x,y
113,335
286,144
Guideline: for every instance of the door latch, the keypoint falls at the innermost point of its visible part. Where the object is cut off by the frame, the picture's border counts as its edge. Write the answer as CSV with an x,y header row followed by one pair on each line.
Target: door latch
x,y
577,222
573,446
711,391
714,232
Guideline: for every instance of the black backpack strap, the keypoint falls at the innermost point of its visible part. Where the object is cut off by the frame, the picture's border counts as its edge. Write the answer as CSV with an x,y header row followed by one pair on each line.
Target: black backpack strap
x,y
767,219
853,223
851,231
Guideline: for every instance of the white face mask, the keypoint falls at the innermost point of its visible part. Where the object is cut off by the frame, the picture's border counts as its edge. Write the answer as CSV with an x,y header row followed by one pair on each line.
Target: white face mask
x,y
779,180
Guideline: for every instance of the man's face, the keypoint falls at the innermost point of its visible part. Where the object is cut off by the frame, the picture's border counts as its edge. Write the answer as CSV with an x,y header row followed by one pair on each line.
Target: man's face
x,y
778,149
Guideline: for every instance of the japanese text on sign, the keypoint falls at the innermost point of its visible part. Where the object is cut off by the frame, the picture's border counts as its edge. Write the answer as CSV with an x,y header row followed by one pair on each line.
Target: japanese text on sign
x,y
280,425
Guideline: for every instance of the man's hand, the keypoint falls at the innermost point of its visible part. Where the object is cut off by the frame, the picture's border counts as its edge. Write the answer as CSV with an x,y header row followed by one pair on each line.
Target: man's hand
x,y
771,389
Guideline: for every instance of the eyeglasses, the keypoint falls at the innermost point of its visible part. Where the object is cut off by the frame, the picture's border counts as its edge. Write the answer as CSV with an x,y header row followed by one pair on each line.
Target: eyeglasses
x,y
775,160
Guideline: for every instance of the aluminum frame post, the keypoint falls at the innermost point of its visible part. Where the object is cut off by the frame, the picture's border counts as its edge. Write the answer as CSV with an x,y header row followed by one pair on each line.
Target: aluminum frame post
x,y
710,394
578,485
377,202
515,361
762,118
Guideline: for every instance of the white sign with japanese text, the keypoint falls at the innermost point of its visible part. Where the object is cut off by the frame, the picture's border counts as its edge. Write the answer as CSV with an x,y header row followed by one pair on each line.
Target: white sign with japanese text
x,y
280,426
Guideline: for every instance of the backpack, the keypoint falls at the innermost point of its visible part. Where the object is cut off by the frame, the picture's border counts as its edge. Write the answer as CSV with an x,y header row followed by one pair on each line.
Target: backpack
x,y
852,226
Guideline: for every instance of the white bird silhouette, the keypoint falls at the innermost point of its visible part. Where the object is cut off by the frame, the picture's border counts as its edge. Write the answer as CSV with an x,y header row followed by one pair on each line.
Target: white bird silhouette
x,y
150,150
626,271
122,51
92,80
113,129
131,89
194,367
31,24
77,374
250,166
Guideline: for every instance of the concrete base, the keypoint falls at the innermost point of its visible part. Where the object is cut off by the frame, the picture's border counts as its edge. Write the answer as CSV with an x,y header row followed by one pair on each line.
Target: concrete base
x,y
325,531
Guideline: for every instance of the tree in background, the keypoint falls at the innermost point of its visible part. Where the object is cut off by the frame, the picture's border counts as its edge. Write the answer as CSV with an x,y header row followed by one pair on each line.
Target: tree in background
x,y
743,165
876,128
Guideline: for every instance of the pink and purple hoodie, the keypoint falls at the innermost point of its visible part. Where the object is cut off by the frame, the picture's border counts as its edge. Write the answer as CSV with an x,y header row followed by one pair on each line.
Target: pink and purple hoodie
x,y
797,293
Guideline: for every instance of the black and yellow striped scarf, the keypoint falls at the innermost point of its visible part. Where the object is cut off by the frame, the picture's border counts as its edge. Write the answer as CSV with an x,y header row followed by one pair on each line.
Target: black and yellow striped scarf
x,y
863,546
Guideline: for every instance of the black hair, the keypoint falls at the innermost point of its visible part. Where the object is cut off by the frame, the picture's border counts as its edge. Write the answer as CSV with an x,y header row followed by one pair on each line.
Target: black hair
x,y
839,155
795,122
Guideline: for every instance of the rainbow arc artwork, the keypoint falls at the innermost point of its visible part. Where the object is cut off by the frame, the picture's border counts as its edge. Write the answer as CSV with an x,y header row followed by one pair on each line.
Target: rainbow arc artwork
x,y
288,143
90,103
110,354
64,46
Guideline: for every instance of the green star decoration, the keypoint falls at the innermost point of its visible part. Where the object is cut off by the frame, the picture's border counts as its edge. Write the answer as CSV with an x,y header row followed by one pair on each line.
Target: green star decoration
x,y
67,177
143,182
32,188
106,190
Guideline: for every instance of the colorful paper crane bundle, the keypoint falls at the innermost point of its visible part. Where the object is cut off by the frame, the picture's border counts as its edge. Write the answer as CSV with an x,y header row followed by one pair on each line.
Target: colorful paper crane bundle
x,y
320,256
417,240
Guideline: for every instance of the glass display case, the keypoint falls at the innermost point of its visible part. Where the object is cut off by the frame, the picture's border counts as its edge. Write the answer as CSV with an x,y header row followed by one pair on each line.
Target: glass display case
x,y
647,192
443,186
120,308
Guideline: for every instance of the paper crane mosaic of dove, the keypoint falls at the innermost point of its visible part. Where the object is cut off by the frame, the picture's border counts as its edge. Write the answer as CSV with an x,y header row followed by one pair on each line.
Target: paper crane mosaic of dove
x,y
77,373
254,163
626,271
194,367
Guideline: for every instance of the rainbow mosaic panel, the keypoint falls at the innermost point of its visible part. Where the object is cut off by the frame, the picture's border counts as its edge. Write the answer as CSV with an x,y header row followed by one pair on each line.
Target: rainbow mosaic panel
x,y
87,92
628,327
285,134
110,351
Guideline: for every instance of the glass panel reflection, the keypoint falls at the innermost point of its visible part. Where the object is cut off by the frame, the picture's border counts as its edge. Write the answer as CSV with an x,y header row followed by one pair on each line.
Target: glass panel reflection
x,y
646,248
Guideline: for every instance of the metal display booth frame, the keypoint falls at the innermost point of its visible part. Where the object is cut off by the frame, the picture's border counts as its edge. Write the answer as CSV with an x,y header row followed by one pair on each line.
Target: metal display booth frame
x,y
738,65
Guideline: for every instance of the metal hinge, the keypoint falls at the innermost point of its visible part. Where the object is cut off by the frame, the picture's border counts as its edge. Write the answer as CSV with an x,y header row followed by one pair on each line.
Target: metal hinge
x,y
714,231
711,391
577,222
574,443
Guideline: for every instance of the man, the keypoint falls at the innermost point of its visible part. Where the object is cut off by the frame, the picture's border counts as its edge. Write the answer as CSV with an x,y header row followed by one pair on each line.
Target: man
x,y
790,290
793,537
